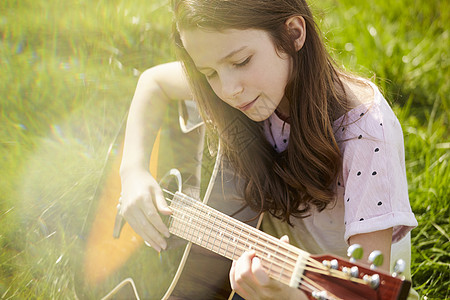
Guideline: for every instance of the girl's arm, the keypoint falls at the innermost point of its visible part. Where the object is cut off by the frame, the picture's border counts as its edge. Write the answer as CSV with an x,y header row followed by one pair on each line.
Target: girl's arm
x,y
248,278
156,87
141,195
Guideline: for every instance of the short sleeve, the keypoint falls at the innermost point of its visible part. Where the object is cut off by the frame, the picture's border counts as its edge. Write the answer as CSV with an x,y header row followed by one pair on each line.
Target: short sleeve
x,y
373,173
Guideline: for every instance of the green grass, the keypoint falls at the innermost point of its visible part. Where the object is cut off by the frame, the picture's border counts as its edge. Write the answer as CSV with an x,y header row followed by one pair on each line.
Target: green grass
x,y
68,71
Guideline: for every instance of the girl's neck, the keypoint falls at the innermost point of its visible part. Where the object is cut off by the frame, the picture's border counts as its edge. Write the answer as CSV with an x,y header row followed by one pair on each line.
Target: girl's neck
x,y
282,110
283,116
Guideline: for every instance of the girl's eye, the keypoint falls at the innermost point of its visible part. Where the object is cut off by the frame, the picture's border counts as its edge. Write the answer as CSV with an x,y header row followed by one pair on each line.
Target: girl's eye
x,y
246,61
211,75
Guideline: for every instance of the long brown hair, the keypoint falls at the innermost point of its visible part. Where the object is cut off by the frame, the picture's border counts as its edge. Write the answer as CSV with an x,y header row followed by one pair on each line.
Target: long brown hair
x,y
304,175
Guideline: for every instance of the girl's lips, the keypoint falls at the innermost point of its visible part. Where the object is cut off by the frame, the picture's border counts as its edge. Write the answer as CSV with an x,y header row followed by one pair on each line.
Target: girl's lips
x,y
248,105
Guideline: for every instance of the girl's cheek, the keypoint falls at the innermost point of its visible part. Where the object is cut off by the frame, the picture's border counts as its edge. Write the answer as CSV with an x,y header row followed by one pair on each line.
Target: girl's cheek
x,y
216,88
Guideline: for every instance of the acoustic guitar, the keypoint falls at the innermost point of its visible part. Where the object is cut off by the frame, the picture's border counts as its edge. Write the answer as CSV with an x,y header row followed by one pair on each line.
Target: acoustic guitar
x,y
204,240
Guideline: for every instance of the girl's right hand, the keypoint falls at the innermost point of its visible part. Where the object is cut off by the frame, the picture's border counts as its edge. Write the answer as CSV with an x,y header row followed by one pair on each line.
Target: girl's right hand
x,y
141,202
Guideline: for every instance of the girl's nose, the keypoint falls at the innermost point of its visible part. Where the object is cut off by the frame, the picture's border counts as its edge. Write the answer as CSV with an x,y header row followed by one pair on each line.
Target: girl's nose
x,y
231,87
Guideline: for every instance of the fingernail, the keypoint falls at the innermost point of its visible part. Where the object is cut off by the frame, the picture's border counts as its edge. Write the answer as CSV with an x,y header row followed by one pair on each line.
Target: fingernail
x,y
167,234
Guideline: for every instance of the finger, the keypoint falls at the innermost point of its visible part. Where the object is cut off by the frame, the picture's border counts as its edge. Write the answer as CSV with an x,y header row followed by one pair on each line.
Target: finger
x,y
160,201
232,274
242,288
243,276
146,230
258,272
285,239
153,217
150,242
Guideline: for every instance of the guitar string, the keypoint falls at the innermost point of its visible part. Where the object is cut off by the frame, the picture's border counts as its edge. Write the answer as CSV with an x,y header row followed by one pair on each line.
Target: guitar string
x,y
183,232
318,287
186,234
324,270
230,254
273,241
240,225
303,283
312,262
237,223
282,269
305,286
205,218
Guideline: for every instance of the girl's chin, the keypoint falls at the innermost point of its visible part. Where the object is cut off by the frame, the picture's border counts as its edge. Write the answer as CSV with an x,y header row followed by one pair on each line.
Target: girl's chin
x,y
257,117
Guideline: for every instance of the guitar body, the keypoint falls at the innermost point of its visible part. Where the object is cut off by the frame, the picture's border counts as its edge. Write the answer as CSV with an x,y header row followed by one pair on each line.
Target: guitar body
x,y
125,268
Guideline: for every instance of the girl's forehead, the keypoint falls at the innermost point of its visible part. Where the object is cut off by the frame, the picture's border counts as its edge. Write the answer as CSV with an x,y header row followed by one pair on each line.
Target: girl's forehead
x,y
227,34
212,46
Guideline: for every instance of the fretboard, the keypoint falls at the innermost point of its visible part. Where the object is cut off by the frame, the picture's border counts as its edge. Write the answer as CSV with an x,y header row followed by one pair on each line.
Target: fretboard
x,y
202,225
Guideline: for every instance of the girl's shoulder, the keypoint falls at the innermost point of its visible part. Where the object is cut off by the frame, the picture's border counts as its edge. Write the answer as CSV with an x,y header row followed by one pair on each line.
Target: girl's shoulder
x,y
364,98
372,118
359,92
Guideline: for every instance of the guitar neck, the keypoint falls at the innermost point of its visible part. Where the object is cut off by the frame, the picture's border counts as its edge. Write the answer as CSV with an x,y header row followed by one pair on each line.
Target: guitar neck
x,y
202,225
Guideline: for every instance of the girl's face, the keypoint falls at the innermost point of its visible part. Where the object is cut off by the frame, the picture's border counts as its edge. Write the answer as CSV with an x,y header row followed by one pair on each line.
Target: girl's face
x,y
243,68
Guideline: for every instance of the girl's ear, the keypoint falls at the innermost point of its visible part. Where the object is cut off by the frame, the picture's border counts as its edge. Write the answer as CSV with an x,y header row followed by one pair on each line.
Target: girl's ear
x,y
296,27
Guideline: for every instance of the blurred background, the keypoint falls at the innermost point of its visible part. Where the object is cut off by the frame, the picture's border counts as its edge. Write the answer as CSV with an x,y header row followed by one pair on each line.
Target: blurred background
x,y
68,69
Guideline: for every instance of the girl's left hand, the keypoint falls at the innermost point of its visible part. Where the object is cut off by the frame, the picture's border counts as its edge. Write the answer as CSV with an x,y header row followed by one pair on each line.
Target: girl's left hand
x,y
250,281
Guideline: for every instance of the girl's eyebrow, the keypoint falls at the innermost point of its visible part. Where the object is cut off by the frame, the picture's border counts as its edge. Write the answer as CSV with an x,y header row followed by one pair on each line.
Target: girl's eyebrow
x,y
231,54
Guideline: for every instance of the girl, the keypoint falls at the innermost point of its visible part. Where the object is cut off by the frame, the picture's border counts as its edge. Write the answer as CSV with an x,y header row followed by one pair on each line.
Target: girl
x,y
318,149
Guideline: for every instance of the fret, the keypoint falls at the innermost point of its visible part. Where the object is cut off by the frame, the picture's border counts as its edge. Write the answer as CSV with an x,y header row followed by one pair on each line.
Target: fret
x,y
212,226
176,213
183,217
236,243
247,244
205,228
180,225
227,244
194,221
283,267
221,234
198,212
170,222
215,237
264,251
190,231
231,236
185,224
197,223
271,261
255,245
